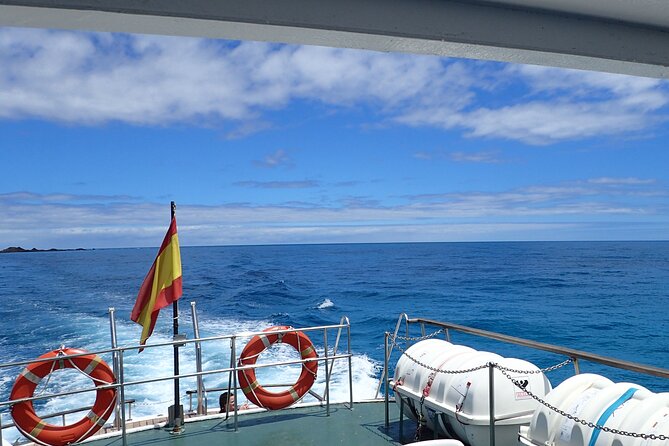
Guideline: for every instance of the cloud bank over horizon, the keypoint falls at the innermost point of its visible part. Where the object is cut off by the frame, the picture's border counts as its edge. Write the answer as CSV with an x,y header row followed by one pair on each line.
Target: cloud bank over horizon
x,y
63,220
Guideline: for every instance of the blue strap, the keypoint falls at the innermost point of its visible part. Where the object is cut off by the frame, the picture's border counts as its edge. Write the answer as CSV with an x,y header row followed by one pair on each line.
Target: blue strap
x,y
608,412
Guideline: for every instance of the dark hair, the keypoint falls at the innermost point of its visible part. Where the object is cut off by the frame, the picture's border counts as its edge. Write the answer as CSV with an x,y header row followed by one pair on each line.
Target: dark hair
x,y
223,401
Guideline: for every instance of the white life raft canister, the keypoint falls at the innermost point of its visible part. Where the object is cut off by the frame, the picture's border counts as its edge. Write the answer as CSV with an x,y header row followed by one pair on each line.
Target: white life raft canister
x,y
595,399
456,405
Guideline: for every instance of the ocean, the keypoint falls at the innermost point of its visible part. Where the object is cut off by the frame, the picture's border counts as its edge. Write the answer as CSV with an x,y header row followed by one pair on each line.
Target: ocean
x,y
609,298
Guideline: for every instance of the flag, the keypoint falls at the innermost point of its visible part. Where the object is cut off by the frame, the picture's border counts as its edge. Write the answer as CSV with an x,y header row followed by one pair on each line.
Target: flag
x,y
162,284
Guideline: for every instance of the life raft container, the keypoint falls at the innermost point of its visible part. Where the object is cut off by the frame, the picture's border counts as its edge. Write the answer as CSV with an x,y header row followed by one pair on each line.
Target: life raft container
x,y
33,427
258,344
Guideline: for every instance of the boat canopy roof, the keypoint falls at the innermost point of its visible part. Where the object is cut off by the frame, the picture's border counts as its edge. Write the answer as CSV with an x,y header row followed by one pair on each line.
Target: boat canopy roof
x,y
619,36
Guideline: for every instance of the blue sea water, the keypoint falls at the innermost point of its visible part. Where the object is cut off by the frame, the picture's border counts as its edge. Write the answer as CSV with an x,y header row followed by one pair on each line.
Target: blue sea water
x,y
609,298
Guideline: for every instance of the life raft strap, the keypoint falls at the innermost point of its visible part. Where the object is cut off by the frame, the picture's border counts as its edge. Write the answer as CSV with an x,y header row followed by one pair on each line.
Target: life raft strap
x,y
608,412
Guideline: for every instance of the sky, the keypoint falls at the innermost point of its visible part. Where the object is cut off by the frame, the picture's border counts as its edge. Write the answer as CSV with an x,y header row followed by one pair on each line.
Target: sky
x,y
263,143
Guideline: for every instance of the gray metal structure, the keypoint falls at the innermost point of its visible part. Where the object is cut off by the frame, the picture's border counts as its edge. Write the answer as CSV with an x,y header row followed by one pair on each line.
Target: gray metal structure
x,y
621,36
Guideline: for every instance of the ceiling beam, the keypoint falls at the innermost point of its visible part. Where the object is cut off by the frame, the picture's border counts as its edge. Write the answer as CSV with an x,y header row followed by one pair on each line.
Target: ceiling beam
x,y
486,31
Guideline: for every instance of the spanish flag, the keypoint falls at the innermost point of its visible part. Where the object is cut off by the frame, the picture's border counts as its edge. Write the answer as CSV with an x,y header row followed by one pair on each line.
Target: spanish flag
x,y
162,284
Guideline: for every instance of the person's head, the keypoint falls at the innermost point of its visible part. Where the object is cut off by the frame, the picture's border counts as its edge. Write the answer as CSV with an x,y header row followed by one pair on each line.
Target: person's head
x,y
226,401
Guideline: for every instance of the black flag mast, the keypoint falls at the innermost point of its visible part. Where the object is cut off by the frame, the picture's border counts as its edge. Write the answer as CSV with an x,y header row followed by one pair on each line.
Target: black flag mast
x,y
176,419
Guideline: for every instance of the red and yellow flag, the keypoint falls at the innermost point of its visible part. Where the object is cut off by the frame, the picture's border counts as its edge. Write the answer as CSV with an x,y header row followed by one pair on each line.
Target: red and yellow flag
x,y
162,284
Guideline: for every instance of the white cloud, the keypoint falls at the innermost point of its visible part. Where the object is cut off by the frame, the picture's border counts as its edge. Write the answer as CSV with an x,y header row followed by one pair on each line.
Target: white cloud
x,y
620,181
304,184
555,105
475,157
150,80
277,159
87,78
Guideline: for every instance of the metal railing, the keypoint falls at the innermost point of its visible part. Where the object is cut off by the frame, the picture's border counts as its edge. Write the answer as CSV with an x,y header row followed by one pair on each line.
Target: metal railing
x,y
444,328
331,354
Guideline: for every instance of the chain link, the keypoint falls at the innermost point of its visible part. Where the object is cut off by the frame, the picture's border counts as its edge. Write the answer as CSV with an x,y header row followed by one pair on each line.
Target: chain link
x,y
437,370
590,424
537,371
421,338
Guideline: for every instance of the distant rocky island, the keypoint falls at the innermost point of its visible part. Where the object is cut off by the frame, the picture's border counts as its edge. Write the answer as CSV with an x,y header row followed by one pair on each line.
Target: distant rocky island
x,y
19,249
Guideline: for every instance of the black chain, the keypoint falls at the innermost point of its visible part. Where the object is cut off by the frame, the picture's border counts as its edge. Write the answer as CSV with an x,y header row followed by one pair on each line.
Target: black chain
x,y
436,370
576,419
537,371
422,338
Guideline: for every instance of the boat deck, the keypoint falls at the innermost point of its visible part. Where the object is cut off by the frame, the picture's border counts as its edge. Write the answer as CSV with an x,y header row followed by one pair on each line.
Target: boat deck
x,y
363,425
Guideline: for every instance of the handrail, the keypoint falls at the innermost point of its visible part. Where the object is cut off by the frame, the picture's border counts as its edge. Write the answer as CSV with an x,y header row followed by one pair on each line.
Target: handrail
x,y
389,350
569,352
169,377
180,342
119,351
62,413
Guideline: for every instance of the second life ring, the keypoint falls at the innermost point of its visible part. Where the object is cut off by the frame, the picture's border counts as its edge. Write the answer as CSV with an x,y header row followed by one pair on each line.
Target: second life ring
x,y
33,427
258,344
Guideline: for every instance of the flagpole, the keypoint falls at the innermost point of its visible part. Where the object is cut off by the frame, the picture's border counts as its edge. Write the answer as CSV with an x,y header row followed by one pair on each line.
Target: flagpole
x,y
178,410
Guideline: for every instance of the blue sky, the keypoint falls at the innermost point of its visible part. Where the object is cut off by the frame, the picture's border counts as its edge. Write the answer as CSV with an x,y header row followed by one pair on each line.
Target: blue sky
x,y
264,143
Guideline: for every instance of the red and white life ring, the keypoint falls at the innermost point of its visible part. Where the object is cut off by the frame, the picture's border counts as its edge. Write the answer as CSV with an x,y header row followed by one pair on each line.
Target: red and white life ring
x,y
247,378
34,427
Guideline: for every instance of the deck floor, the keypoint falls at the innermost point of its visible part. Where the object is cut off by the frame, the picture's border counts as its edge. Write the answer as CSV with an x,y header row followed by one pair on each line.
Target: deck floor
x,y
364,425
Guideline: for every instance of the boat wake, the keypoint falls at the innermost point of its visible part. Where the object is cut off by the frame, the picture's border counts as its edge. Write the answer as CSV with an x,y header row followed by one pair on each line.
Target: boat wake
x,y
153,399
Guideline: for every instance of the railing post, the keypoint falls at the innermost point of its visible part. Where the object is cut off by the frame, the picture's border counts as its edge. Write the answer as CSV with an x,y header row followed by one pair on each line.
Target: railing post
x,y
233,360
385,377
350,364
577,369
198,360
401,433
121,380
117,362
491,406
397,330
114,344
327,373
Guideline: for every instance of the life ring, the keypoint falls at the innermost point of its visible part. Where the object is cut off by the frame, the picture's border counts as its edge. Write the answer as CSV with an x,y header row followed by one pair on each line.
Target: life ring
x,y
33,427
247,378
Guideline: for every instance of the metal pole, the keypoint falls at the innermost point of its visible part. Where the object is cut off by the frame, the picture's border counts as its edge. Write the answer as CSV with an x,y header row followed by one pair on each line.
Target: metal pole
x,y
121,380
491,386
119,420
233,360
577,369
178,411
198,360
385,377
401,417
350,366
114,344
327,374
